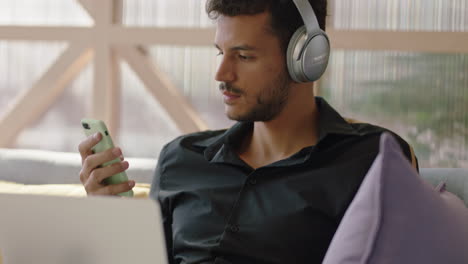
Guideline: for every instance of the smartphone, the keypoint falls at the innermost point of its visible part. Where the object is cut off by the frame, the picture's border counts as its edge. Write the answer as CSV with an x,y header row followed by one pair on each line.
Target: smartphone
x,y
92,126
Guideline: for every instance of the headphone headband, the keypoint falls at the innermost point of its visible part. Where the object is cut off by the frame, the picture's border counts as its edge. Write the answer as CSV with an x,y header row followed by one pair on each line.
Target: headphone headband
x,y
308,16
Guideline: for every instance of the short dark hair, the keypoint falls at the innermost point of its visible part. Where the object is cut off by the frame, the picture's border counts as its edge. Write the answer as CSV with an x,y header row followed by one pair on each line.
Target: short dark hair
x,y
285,18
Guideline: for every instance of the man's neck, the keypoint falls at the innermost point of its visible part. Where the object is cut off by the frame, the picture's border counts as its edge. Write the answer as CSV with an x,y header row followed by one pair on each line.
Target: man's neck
x,y
294,129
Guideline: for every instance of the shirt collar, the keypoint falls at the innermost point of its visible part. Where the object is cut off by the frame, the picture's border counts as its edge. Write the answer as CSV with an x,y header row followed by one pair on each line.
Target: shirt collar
x,y
218,147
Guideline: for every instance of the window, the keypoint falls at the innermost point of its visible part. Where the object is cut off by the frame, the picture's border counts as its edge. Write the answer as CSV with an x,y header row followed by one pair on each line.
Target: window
x,y
418,92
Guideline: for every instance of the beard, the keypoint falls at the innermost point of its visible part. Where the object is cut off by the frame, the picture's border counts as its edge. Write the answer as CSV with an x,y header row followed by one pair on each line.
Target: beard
x,y
269,103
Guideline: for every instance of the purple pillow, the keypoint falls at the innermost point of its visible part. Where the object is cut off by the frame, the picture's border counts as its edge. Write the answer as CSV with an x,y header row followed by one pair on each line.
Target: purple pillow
x,y
396,217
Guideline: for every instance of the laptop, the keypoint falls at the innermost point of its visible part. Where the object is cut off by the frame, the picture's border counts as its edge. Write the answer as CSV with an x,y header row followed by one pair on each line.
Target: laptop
x,y
88,230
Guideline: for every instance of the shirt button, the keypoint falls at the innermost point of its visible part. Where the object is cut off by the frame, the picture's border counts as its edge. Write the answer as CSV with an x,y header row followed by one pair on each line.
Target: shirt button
x,y
253,181
234,228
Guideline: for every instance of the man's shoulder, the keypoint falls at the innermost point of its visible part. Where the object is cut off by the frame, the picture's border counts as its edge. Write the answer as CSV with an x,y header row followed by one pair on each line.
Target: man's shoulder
x,y
368,129
374,131
365,128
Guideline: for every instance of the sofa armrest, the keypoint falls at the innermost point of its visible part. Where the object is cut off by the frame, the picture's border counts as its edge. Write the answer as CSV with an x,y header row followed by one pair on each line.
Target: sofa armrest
x,y
455,178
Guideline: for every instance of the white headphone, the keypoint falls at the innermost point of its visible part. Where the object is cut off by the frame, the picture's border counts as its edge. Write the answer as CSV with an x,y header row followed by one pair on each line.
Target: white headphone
x,y
309,48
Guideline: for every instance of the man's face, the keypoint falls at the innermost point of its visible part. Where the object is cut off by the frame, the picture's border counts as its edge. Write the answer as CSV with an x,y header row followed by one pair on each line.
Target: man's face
x,y
252,72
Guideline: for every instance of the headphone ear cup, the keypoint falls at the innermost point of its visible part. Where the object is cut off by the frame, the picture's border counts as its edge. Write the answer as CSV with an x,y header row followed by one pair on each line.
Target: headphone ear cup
x,y
314,59
293,61
307,64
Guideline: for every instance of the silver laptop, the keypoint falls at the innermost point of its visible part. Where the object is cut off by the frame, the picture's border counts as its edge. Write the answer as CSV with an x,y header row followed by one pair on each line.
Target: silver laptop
x,y
92,230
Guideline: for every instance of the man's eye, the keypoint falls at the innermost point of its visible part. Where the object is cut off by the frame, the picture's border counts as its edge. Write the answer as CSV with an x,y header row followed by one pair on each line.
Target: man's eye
x,y
219,53
242,57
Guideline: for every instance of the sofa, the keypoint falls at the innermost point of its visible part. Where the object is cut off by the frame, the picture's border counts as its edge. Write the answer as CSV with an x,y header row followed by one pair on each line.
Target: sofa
x,y
56,173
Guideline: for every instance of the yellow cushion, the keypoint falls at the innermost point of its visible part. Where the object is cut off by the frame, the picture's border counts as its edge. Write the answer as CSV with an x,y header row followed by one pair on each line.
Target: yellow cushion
x,y
140,190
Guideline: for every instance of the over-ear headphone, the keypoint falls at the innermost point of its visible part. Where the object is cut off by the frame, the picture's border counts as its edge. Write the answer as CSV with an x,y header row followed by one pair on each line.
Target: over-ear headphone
x,y
309,47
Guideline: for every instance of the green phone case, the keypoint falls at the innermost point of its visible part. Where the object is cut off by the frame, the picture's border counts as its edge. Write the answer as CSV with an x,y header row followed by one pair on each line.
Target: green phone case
x,y
90,127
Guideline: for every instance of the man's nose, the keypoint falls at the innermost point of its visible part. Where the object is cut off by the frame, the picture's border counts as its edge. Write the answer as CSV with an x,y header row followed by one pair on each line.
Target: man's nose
x,y
226,71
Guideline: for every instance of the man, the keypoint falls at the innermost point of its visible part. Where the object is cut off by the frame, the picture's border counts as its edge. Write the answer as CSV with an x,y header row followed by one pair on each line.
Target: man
x,y
274,187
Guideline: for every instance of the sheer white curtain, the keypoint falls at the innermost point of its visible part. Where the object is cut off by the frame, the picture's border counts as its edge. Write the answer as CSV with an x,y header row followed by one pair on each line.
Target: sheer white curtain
x,y
421,96
402,15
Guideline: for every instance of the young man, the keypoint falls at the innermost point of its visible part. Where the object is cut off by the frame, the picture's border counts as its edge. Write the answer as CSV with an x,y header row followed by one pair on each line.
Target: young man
x,y
274,187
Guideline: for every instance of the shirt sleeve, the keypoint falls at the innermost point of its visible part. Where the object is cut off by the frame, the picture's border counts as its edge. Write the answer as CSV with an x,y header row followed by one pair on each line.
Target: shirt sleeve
x,y
155,194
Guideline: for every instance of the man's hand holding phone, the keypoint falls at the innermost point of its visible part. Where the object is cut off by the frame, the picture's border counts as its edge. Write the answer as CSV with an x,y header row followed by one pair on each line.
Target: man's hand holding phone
x,y
103,167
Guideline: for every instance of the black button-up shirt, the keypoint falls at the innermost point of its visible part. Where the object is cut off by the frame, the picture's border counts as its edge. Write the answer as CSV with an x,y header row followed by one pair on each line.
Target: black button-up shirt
x,y
217,209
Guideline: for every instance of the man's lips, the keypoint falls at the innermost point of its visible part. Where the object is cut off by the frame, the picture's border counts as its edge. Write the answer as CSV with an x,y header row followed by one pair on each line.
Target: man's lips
x,y
230,97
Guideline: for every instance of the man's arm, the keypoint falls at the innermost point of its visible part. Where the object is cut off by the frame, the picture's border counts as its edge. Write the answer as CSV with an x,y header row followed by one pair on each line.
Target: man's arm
x,y
155,193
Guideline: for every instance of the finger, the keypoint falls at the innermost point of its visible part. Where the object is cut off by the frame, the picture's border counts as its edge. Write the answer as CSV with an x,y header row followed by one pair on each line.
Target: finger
x,y
93,161
82,177
94,181
115,189
85,147
91,187
98,175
